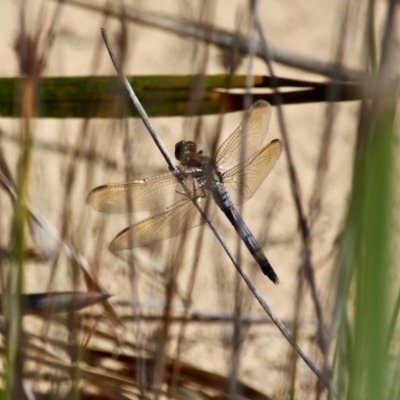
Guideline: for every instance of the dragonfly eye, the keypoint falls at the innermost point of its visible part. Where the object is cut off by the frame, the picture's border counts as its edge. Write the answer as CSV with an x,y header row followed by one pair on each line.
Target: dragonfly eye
x,y
184,150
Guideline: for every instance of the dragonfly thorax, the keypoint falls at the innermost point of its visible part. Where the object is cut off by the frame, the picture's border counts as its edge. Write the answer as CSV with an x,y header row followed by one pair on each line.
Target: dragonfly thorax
x,y
199,166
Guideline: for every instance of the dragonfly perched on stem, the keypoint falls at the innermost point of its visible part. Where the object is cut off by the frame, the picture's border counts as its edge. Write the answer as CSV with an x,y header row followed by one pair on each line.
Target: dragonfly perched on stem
x,y
232,177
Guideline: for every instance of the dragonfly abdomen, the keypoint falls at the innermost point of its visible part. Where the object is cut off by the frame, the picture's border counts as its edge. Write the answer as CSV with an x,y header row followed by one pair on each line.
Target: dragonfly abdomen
x,y
260,257
223,201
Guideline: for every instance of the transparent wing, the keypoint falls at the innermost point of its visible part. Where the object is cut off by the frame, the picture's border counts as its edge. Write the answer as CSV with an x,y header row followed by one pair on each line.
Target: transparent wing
x,y
250,133
246,178
152,193
174,221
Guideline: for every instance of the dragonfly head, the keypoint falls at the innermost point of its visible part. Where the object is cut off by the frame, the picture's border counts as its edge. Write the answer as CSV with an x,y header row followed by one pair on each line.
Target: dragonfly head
x,y
184,150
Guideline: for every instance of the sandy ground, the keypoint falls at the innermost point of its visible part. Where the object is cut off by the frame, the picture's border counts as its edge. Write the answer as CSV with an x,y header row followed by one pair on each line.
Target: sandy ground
x,y
310,28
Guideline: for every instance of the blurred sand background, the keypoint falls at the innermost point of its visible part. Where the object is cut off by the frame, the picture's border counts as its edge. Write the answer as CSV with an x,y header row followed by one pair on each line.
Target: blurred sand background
x,y
309,28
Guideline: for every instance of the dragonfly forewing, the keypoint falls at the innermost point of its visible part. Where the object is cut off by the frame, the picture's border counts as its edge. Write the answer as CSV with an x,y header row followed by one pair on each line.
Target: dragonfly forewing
x,y
148,194
173,221
247,139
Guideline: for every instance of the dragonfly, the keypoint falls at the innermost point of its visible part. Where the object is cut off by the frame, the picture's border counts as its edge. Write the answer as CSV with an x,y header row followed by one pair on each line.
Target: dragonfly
x,y
230,178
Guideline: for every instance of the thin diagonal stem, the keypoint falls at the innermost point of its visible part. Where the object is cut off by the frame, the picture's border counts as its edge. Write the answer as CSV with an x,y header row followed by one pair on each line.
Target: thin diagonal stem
x,y
303,225
305,234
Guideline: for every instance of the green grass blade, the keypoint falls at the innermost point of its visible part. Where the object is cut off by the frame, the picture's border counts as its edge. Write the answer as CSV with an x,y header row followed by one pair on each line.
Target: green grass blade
x,y
160,95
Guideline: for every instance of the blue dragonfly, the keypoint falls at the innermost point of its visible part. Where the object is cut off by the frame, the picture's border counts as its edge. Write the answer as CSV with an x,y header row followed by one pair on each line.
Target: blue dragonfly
x,y
240,166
